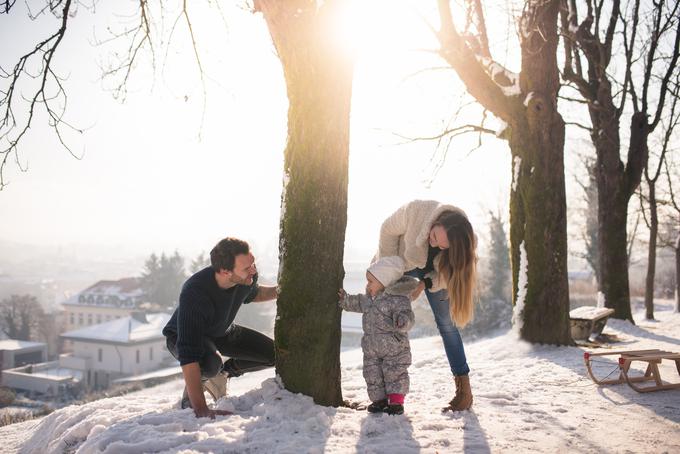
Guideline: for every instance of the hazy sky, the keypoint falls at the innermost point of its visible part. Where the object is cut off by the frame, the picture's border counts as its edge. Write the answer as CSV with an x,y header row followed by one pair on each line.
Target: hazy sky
x,y
146,182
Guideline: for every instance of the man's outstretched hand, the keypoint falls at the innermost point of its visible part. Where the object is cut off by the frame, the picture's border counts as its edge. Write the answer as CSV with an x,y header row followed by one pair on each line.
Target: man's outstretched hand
x,y
208,413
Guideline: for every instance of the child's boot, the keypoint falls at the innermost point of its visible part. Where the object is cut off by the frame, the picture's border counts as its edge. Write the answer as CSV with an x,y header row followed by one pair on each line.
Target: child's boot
x,y
378,406
395,404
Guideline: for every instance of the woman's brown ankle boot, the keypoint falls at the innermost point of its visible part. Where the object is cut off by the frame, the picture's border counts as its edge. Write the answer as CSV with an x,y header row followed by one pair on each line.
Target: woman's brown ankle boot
x,y
463,398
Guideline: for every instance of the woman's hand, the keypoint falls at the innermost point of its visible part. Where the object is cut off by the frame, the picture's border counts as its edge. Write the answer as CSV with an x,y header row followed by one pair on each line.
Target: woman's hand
x,y
342,294
417,291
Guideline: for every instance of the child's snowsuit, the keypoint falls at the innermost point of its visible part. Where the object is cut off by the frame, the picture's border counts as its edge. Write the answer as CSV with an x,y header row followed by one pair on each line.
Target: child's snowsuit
x,y
387,353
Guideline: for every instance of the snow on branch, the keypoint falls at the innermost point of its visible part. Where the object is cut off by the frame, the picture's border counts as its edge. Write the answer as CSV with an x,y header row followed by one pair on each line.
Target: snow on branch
x,y
493,86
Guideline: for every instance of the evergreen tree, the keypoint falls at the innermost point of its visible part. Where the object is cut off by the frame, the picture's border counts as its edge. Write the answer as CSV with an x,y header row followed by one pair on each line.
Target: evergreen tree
x,y
200,262
163,277
498,280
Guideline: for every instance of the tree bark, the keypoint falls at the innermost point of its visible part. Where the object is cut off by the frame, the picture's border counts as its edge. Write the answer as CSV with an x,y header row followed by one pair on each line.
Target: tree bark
x,y
318,78
537,201
651,253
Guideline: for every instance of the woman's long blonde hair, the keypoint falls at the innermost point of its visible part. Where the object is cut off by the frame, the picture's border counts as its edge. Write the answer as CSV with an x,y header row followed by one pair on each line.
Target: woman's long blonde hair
x,y
458,265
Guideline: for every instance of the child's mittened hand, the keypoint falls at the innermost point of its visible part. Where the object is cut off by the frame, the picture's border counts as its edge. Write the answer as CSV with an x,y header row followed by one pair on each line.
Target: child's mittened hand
x,y
401,322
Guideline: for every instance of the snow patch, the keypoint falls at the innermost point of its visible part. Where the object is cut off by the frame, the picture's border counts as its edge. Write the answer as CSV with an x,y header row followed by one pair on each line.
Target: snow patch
x,y
286,180
517,162
518,310
528,398
502,127
497,71
530,97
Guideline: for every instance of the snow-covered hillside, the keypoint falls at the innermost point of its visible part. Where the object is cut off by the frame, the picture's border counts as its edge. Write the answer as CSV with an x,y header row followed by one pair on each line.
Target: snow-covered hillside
x,y
527,399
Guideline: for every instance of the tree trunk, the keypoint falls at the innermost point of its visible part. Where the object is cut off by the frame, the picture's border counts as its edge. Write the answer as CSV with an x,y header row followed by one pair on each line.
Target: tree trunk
x,y
614,255
538,223
318,77
538,226
651,255
615,182
613,198
677,274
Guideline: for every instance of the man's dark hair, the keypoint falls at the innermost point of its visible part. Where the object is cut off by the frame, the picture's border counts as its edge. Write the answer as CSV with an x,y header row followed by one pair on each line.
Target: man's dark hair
x,y
223,255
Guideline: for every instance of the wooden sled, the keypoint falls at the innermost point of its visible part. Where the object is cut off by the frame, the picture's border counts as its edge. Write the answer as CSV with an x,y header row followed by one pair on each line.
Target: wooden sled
x,y
652,357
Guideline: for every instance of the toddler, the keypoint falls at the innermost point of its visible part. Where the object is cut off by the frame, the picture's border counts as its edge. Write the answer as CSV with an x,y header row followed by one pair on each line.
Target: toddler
x,y
387,317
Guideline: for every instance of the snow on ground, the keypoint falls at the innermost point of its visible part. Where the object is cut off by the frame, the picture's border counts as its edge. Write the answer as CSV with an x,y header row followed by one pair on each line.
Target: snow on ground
x,y
528,398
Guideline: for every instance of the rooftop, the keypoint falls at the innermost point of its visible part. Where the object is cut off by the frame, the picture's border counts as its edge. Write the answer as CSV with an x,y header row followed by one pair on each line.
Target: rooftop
x,y
124,292
126,330
13,344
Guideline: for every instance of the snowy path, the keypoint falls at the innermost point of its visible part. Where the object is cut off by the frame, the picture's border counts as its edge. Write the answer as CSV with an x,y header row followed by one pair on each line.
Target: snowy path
x,y
527,399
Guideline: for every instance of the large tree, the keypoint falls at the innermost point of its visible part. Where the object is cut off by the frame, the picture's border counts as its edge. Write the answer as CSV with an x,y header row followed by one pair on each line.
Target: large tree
x,y
21,317
318,76
589,49
318,73
527,103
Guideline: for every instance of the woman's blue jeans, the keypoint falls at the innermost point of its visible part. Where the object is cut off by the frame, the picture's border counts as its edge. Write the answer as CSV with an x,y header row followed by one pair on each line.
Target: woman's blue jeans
x,y
453,344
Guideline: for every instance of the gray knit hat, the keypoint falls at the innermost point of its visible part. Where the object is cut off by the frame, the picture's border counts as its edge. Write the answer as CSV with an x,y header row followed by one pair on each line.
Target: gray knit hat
x,y
387,270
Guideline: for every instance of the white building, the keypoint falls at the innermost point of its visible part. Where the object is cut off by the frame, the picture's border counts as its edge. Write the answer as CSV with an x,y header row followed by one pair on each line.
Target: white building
x,y
44,378
15,353
103,302
131,345
25,369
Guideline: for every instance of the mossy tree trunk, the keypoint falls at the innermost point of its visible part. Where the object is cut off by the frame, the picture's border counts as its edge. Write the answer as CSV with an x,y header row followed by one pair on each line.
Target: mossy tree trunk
x,y
536,136
318,78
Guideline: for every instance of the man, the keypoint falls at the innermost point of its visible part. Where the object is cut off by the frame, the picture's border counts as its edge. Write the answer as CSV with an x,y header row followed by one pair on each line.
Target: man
x,y
202,326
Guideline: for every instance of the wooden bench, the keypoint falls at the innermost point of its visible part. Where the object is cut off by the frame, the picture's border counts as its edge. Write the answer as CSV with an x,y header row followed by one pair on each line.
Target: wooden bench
x,y
587,320
652,357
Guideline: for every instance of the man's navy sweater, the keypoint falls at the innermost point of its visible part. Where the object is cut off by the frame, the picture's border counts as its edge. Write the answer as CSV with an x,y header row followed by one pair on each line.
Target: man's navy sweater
x,y
205,310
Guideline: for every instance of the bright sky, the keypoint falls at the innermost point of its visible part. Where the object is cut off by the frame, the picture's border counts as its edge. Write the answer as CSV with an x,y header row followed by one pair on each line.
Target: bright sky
x,y
146,182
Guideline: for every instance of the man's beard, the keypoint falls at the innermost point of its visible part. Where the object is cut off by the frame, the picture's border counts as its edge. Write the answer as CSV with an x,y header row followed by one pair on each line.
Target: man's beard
x,y
240,281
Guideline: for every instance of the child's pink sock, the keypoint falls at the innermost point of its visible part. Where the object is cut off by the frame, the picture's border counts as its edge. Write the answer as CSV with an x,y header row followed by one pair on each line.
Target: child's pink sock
x,y
395,399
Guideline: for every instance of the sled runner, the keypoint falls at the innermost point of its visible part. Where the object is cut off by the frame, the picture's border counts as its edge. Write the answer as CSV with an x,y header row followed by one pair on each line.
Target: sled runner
x,y
652,357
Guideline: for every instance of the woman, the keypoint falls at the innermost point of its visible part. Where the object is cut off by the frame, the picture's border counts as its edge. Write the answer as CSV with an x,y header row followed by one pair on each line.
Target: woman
x,y
438,245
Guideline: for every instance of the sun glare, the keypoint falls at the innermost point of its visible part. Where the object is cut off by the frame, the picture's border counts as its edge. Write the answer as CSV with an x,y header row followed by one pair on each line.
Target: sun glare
x,y
365,27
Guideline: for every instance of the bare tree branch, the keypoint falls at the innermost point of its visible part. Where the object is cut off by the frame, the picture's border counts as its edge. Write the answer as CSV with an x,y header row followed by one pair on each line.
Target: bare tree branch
x,y
453,132
672,201
673,120
6,5
579,125
628,48
672,65
48,93
44,52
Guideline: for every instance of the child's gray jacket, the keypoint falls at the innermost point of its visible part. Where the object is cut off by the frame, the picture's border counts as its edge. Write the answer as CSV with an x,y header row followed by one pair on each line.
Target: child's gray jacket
x,y
386,320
